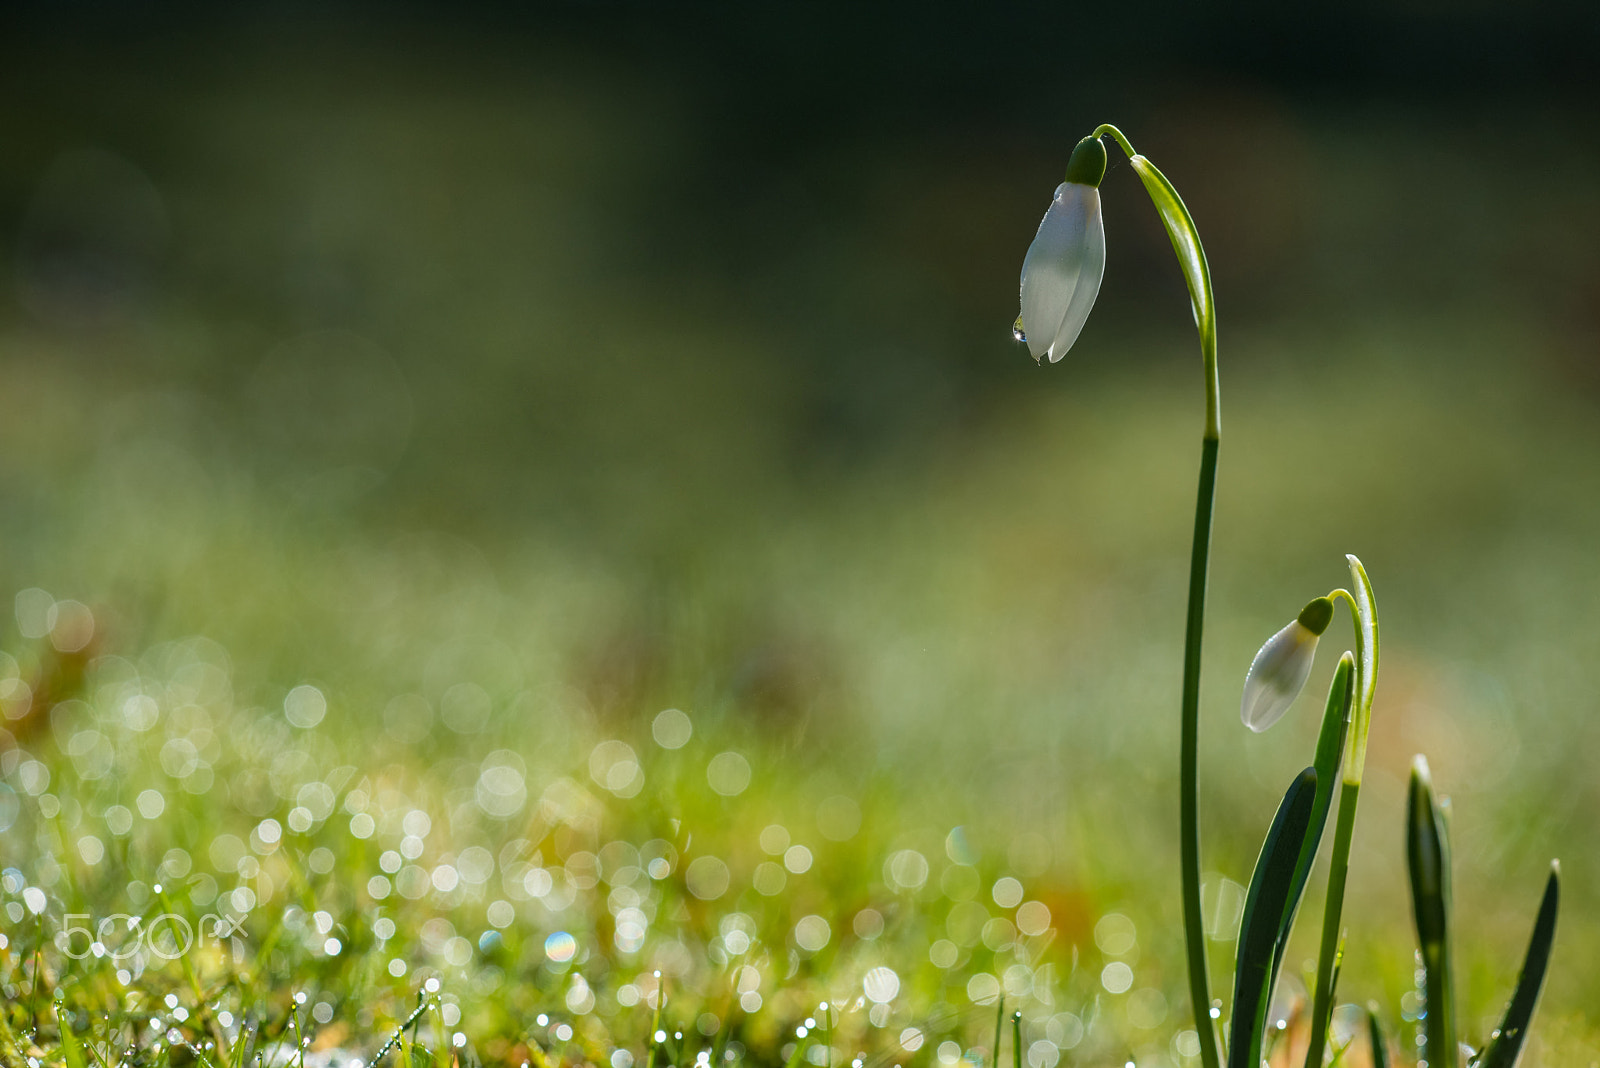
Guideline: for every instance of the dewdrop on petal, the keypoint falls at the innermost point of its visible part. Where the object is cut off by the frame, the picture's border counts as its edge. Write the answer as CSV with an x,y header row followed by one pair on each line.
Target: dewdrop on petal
x,y
1281,667
1062,270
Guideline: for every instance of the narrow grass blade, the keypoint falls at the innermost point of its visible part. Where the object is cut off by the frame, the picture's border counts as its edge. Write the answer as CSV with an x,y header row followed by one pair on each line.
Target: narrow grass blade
x,y
1266,902
1506,1046
1375,1040
1338,965
1428,859
398,1038
1330,750
202,1005
441,1055
999,1029
719,1045
245,1044
799,1054
655,1020
71,1051
1016,1040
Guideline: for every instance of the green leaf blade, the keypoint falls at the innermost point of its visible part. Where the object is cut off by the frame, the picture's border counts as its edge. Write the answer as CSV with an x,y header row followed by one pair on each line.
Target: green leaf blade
x,y
1367,624
1266,902
1378,1045
1506,1047
1330,750
1428,864
1185,243
71,1051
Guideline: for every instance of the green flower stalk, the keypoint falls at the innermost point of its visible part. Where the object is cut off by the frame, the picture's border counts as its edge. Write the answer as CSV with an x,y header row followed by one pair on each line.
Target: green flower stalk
x,y
1275,679
1060,280
1364,610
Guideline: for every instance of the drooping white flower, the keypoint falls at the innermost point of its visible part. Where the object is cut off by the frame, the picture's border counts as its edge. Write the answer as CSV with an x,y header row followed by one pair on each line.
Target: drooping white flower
x,y
1281,666
1062,271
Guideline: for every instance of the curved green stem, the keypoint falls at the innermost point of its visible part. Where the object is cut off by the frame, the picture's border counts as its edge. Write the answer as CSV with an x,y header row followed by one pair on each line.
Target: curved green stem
x,y
1364,621
1105,129
1342,594
1361,714
1192,257
1332,911
1197,276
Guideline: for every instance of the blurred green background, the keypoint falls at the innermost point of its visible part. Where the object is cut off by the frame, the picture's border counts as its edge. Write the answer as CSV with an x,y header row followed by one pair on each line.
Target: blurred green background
x,y
616,357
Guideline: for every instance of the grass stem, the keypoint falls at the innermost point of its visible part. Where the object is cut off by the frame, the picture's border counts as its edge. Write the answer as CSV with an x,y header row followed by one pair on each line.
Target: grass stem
x,y
999,1029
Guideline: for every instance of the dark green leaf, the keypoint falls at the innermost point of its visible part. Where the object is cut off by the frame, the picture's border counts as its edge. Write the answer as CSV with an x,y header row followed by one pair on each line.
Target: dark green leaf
x,y
1375,1040
1506,1046
1265,904
1428,860
1330,750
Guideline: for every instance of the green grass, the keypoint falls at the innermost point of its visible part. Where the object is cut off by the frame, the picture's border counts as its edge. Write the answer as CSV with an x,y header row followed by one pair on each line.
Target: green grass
x,y
925,711
529,896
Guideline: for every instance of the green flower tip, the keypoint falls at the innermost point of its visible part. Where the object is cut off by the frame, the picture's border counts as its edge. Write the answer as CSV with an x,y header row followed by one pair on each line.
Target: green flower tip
x,y
1426,853
1316,616
1088,163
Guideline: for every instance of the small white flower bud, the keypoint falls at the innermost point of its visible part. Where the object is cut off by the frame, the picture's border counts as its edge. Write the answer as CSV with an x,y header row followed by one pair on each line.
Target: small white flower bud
x,y
1280,669
1062,271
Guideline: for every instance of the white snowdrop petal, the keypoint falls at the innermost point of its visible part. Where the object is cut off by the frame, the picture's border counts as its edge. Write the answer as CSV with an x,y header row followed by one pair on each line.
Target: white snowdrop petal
x,y
1089,276
1051,270
1277,675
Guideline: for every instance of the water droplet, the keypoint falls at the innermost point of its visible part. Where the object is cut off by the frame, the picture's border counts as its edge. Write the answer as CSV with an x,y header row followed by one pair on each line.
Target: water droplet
x,y
1017,331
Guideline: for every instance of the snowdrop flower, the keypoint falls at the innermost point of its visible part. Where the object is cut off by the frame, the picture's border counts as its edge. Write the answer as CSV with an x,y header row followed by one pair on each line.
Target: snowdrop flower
x,y
1061,273
1281,667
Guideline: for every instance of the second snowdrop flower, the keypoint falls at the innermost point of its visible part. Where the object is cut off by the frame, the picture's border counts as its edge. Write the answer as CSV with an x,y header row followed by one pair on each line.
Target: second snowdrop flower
x,y
1281,667
1062,271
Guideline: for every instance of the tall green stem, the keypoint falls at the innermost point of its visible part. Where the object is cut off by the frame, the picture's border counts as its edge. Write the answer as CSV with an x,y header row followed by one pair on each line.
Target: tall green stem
x,y
1333,909
1197,275
1189,762
1364,615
